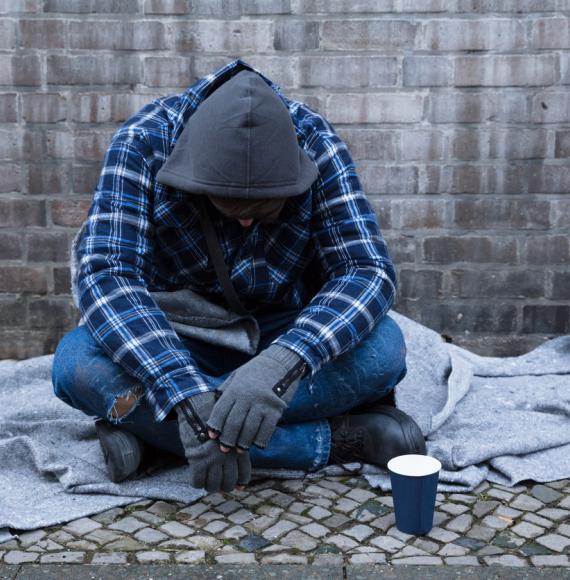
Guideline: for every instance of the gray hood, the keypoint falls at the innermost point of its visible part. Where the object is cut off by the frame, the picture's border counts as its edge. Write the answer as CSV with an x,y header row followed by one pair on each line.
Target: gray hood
x,y
240,143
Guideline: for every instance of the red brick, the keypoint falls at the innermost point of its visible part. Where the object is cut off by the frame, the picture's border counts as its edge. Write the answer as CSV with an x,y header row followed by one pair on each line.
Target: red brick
x,y
42,33
69,212
43,107
23,279
17,212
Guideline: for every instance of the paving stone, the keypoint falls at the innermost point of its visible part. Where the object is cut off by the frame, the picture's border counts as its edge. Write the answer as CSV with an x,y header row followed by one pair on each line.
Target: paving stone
x,y
195,510
490,551
384,522
228,507
237,558
335,521
344,543
526,503
387,543
152,556
398,534
253,542
559,484
470,543
284,559
28,538
462,498
20,557
482,487
103,536
460,524
126,544
148,518
439,518
507,540
555,514
278,529
369,558
426,545
109,558
538,520
559,560
454,508
359,532
108,516
321,492
292,485
252,501
315,530
234,533
270,511
62,537
150,536
482,508
216,526
282,499
327,560
565,503
301,520
500,493
128,525
533,549
191,557
409,551
419,560
527,530
462,561
259,524
554,542
345,505
337,486
481,532
453,550
494,522
545,494
176,529
318,513
82,526
161,508
298,507
442,535
505,560
361,495
82,545
201,542
388,501
564,529
507,512
62,558
298,540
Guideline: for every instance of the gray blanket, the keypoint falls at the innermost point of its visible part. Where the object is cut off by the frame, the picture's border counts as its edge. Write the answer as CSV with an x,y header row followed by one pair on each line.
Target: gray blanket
x,y
501,419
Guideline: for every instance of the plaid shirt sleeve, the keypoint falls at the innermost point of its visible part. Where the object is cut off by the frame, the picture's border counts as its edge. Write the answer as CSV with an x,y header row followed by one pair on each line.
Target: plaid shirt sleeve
x,y
115,256
360,281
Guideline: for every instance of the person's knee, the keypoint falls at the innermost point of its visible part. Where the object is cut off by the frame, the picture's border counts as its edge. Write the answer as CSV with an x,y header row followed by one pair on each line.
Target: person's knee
x,y
390,345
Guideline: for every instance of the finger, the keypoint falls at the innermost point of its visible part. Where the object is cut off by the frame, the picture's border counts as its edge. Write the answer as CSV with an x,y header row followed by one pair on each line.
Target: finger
x,y
265,431
225,449
244,469
249,429
230,475
212,434
214,478
198,476
233,425
220,411
240,451
240,487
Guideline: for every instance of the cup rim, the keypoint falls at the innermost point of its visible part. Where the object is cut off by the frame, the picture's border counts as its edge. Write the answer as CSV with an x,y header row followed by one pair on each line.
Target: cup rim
x,y
409,463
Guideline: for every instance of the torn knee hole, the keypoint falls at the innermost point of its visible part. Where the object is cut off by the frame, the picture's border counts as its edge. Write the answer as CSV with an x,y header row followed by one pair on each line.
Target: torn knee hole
x,y
123,405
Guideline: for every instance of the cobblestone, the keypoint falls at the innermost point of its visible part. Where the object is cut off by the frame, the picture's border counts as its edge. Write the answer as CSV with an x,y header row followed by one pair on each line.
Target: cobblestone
x,y
287,522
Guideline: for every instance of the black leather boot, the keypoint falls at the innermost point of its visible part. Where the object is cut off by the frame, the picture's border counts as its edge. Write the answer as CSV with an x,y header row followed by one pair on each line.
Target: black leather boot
x,y
123,451
374,437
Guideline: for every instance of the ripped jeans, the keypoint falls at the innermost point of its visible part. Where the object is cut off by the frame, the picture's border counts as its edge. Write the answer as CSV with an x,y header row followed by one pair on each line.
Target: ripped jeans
x,y
85,378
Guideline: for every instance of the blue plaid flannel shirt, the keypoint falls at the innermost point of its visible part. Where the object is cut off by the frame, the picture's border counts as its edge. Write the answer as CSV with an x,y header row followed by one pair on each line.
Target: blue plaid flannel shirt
x,y
140,236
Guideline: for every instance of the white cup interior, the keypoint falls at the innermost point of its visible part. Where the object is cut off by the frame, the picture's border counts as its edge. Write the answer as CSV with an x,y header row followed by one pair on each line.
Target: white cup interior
x,y
414,464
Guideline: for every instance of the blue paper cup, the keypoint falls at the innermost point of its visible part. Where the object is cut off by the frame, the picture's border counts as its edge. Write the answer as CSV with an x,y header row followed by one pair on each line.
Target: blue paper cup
x,y
414,487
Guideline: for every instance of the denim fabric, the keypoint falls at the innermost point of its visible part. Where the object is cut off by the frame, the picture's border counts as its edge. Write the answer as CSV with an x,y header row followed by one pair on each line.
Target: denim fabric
x,y
87,379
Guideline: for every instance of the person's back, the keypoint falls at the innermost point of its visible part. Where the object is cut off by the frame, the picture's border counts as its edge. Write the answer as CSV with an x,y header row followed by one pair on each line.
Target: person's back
x,y
305,256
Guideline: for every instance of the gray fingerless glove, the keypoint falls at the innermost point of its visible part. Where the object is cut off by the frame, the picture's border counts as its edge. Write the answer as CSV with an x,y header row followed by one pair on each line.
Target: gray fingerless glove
x,y
254,397
209,467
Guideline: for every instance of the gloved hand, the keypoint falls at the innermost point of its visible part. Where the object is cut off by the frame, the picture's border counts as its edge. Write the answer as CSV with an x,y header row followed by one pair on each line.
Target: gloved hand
x,y
254,397
209,467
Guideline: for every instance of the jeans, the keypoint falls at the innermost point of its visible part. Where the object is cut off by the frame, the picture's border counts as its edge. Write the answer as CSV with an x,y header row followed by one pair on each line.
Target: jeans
x,y
85,378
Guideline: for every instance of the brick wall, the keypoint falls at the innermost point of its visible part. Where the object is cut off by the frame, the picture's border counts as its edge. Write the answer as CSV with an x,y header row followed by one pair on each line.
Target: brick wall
x,y
457,113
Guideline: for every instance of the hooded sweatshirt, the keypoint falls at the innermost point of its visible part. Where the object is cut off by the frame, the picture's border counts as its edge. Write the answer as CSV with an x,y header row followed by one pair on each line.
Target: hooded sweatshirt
x,y
324,254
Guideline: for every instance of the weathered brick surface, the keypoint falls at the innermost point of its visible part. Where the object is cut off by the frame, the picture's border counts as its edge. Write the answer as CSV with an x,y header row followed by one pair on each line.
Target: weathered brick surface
x,y
457,116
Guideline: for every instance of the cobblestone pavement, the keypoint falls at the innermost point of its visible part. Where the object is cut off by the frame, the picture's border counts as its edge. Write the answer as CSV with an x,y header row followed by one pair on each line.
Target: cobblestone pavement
x,y
319,522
